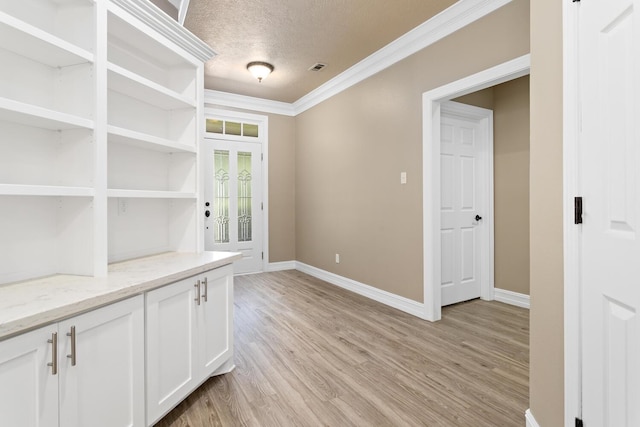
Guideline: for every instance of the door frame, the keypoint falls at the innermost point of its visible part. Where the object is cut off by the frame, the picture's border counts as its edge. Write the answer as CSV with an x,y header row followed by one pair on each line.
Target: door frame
x,y
263,139
484,117
571,233
431,111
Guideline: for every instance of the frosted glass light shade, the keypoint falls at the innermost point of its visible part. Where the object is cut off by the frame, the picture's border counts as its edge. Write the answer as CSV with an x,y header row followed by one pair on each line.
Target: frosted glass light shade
x,y
260,70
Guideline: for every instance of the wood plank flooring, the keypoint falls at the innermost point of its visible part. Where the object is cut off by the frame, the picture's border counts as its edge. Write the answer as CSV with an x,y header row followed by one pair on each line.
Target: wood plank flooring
x,y
308,353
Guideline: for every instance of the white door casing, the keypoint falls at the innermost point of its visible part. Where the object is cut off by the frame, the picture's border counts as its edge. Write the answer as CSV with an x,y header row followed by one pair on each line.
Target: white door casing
x,y
431,107
244,233
465,150
602,266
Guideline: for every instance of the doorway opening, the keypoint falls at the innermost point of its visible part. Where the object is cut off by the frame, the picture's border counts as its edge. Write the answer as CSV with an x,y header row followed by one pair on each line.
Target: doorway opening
x,y
234,166
432,110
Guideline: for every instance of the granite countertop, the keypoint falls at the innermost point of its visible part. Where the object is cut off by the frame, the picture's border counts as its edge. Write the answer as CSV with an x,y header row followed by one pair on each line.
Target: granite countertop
x,y
30,304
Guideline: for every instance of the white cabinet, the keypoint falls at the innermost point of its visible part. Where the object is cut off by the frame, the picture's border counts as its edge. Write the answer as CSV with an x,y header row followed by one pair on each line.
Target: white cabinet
x,y
28,390
189,336
215,320
87,370
101,118
104,385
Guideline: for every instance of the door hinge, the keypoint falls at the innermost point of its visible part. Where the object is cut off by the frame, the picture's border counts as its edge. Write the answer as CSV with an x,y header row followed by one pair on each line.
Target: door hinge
x,y
261,156
577,210
262,255
261,206
578,420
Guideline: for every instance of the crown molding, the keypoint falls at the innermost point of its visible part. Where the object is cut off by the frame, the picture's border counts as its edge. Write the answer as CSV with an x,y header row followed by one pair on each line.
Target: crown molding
x,y
151,15
443,24
226,99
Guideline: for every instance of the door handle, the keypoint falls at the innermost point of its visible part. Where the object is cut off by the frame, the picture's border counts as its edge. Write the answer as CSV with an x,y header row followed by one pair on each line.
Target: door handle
x,y
478,217
207,213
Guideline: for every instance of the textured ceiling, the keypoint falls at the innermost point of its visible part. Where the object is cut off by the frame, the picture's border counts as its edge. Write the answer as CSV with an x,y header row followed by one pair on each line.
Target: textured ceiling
x,y
293,35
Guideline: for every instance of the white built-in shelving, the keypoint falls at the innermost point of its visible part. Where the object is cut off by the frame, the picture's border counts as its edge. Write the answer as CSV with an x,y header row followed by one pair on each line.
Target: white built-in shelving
x,y
100,119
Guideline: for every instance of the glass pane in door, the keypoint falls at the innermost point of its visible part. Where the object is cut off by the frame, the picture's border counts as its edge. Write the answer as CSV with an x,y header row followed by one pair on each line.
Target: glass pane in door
x,y
244,197
221,196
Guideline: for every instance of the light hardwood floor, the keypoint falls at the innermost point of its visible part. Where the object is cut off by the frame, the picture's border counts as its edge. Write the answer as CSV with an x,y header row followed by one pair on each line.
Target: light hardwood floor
x,y
308,353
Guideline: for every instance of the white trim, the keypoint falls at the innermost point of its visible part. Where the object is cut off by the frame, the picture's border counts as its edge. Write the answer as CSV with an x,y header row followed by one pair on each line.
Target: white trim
x,y
280,266
151,15
401,303
571,188
443,24
182,11
431,31
512,298
226,99
531,422
431,106
263,138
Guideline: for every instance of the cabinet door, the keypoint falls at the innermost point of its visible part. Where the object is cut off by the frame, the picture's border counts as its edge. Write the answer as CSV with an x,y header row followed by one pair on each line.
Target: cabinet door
x,y
215,325
105,387
171,357
28,388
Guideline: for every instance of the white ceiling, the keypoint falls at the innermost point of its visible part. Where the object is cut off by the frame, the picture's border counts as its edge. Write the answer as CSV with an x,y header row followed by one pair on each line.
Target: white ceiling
x,y
293,35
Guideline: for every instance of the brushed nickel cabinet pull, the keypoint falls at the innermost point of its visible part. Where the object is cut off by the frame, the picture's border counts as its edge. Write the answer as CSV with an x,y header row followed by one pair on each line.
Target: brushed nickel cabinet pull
x,y
72,356
206,289
54,353
197,298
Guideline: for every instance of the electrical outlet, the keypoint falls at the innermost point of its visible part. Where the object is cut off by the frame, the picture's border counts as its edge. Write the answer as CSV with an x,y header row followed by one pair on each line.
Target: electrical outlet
x,y
337,258
403,177
122,206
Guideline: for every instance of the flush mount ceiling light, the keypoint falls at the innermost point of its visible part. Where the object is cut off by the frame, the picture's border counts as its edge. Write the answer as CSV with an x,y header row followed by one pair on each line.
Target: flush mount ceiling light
x,y
260,70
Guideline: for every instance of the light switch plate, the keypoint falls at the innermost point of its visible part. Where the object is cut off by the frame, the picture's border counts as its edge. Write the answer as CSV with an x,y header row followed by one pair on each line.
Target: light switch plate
x,y
403,177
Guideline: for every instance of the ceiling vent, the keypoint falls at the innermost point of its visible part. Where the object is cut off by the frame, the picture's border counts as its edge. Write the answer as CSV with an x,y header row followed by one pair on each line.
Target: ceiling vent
x,y
317,67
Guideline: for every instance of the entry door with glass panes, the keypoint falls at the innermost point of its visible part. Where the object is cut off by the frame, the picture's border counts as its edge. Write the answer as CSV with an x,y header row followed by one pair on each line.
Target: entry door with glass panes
x,y
233,200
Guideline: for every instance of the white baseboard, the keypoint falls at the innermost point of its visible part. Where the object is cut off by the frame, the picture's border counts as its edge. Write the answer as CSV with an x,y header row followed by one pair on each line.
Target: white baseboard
x,y
531,422
280,266
401,303
512,298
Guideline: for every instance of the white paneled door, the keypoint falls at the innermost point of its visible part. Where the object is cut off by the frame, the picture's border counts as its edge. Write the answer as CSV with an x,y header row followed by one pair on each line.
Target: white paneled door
x,y
233,192
461,204
609,63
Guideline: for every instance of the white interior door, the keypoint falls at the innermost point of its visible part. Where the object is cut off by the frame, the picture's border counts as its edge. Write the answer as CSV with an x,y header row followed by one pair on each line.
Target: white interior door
x,y
461,206
233,192
610,251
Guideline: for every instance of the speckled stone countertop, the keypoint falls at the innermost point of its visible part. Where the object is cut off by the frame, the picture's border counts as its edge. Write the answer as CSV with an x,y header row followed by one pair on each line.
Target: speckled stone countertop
x,y
30,304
